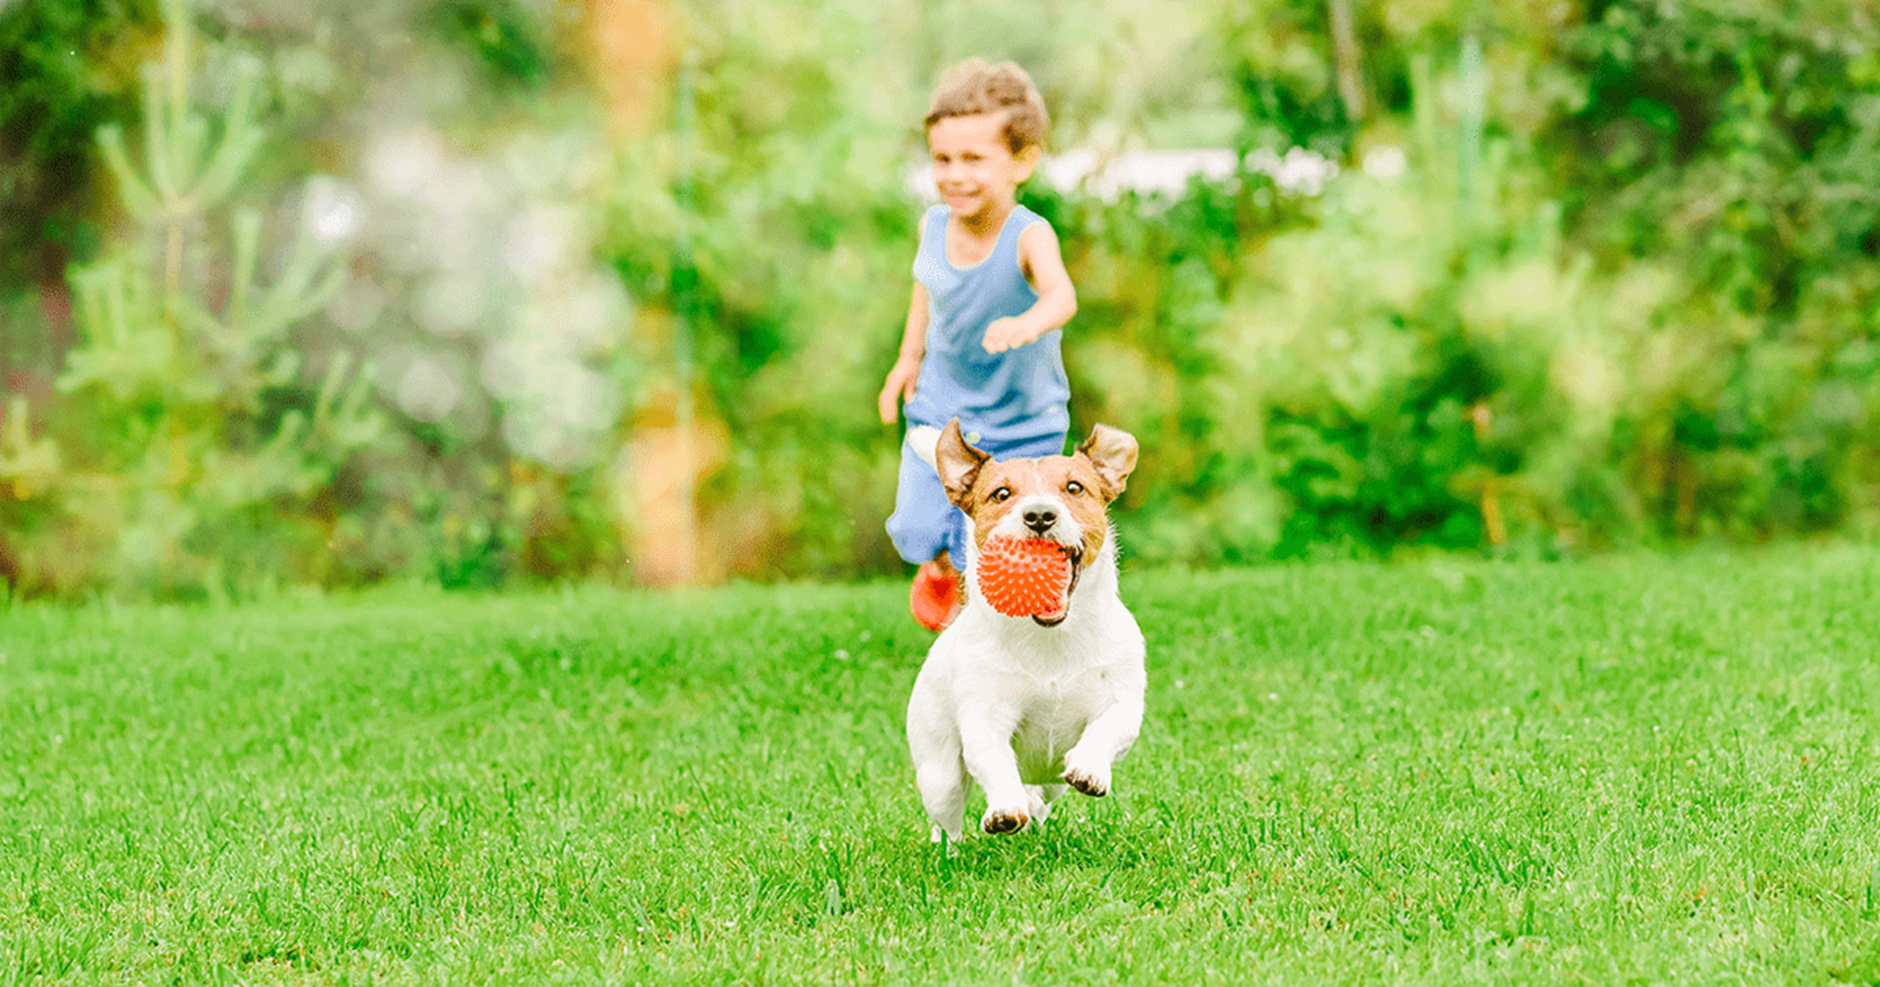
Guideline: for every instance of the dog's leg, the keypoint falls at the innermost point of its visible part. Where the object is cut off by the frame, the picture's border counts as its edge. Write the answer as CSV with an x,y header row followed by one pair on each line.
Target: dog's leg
x,y
938,771
986,744
942,784
1106,739
1038,799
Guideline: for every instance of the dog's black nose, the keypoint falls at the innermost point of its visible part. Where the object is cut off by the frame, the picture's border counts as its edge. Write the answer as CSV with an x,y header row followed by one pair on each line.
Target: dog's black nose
x,y
1040,519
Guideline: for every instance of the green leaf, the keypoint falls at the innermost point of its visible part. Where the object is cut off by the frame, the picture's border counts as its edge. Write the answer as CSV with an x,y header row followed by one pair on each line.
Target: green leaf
x,y
138,197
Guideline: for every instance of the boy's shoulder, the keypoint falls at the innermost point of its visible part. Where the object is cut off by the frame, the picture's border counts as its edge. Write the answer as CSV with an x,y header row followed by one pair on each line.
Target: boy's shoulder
x,y
1025,219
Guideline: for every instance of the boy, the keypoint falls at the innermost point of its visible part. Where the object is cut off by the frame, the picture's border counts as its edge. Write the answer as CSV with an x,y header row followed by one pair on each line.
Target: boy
x,y
982,341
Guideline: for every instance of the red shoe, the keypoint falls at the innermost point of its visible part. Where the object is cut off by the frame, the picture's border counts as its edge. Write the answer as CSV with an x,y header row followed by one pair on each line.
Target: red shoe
x,y
935,598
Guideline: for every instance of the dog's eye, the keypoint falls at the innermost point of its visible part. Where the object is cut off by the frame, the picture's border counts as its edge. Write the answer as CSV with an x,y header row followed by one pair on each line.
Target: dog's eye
x,y
1074,488
1001,495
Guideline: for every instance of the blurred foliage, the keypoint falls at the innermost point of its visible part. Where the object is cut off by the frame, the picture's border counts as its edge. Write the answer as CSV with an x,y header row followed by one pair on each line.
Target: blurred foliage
x,y
503,36
66,68
1581,275
1722,160
187,457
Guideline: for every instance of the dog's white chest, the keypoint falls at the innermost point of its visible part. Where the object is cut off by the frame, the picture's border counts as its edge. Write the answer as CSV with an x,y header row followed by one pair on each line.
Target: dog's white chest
x,y
1052,718
1042,739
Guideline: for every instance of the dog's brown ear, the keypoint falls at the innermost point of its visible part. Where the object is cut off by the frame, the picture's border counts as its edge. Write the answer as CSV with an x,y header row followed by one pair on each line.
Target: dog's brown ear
x,y
1113,452
959,464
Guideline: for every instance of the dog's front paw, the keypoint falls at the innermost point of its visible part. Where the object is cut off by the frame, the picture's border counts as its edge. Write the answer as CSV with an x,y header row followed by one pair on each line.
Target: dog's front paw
x,y
1091,783
1004,820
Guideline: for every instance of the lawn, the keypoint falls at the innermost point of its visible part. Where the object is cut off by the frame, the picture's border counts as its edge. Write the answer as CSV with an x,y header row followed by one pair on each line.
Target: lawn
x,y
1626,770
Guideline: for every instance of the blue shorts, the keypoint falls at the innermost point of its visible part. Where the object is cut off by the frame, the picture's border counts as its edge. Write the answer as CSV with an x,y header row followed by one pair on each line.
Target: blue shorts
x,y
924,521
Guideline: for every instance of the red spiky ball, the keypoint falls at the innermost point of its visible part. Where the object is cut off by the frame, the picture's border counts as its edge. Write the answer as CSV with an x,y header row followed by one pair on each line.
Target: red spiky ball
x,y
1024,577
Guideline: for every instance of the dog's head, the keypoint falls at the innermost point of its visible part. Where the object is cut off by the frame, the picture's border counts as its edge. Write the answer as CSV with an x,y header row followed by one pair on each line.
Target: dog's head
x,y
1061,498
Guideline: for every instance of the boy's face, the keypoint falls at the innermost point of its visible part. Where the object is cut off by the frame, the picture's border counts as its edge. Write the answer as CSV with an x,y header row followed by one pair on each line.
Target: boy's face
x,y
975,170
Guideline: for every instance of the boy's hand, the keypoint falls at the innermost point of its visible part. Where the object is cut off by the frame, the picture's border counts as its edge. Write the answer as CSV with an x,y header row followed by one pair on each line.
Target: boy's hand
x,y
898,390
1006,334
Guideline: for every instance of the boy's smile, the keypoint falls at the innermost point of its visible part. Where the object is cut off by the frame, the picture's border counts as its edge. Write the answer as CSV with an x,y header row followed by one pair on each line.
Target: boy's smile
x,y
974,168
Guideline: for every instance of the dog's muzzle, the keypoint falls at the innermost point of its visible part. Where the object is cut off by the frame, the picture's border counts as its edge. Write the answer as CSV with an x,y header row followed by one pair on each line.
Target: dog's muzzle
x,y
1074,552
1046,518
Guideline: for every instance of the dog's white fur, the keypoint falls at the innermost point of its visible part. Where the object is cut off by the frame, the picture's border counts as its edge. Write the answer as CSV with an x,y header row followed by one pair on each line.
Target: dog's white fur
x,y
1026,709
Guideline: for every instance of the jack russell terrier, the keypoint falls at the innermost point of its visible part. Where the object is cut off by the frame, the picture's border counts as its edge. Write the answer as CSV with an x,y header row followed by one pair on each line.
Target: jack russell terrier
x,y
1032,689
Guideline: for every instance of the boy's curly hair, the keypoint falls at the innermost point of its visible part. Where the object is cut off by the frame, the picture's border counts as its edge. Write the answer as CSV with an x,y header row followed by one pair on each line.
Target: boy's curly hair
x,y
977,86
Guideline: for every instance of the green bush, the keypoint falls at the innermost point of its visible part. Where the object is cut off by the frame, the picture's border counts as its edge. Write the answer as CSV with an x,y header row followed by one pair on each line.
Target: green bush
x,y
188,452
65,69
1587,276
1512,322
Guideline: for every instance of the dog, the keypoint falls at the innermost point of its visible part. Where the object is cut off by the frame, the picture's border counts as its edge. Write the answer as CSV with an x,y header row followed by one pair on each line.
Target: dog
x,y
1030,706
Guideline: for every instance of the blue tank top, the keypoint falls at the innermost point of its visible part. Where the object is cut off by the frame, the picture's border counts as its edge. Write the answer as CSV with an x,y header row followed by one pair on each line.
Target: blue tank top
x,y
1004,398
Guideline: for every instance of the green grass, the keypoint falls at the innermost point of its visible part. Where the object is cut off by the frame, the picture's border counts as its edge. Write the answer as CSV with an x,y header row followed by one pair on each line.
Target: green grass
x,y
1620,771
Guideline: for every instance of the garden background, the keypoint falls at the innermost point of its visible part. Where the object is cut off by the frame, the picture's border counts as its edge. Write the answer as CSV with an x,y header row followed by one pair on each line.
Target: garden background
x,y
483,292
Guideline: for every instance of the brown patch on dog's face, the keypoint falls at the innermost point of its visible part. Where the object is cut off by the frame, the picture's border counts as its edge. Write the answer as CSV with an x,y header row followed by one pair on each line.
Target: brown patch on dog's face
x,y
1062,498
1109,454
1031,498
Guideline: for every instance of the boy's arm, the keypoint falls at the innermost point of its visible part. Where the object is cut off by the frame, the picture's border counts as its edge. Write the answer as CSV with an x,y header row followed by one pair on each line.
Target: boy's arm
x,y
1043,264
899,388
